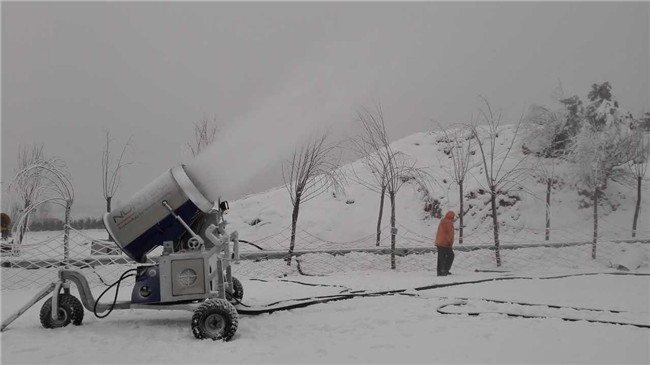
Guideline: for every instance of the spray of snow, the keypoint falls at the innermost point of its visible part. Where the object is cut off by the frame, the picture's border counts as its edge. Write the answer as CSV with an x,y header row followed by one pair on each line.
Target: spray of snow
x,y
321,94
312,102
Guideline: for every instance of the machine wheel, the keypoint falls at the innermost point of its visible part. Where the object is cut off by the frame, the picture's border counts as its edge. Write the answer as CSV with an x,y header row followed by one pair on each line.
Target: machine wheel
x,y
237,292
70,310
216,319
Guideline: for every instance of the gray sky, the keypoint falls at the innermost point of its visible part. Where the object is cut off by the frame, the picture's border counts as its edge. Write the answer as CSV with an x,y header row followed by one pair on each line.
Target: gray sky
x,y
151,70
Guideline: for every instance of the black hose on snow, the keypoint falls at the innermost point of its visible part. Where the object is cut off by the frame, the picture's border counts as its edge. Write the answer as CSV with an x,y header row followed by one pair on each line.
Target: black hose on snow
x,y
305,302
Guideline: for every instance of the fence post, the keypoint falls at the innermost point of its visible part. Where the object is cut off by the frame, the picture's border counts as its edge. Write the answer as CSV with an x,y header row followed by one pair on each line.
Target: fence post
x,y
595,239
66,235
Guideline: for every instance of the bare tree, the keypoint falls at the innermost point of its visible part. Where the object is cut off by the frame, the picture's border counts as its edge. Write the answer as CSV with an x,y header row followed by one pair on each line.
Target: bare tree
x,y
111,170
369,146
27,189
638,167
499,177
459,145
390,169
401,169
56,187
204,134
311,171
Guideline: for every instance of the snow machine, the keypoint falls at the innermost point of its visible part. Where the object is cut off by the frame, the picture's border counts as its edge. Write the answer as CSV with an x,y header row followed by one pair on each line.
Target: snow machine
x,y
193,272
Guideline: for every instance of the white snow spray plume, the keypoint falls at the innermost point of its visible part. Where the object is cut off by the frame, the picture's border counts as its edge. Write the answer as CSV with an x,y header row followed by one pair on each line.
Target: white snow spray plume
x,y
322,94
246,149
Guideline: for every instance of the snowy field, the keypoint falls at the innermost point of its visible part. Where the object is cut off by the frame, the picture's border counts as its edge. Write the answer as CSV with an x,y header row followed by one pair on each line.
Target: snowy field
x,y
407,327
383,329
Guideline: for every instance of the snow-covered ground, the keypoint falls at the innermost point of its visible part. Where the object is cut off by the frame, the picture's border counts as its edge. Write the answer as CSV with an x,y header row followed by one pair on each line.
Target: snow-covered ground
x,y
384,329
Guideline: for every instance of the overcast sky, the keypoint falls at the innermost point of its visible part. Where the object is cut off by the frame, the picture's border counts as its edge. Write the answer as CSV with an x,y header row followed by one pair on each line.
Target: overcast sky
x,y
72,70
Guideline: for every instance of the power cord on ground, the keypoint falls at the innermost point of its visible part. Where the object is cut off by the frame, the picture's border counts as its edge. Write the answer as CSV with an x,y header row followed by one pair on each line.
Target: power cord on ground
x,y
440,309
305,302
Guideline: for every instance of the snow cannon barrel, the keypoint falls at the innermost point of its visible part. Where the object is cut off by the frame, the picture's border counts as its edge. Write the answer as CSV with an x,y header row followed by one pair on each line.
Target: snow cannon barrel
x,y
144,223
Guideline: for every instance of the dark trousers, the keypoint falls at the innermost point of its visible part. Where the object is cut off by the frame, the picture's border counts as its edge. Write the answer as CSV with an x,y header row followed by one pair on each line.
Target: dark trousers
x,y
445,259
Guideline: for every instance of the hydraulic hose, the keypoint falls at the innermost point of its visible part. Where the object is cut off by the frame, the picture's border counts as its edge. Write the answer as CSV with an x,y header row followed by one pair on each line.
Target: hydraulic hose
x,y
117,290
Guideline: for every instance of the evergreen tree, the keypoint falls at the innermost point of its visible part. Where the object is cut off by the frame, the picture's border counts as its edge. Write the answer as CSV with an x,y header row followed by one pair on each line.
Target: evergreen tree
x,y
603,112
574,114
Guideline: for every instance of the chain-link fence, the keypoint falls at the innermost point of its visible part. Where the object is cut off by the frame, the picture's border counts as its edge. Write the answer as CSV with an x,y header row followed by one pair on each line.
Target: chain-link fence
x,y
519,252
36,262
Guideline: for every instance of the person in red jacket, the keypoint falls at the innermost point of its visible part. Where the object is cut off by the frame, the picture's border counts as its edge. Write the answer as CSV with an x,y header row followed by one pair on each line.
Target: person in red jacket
x,y
445,242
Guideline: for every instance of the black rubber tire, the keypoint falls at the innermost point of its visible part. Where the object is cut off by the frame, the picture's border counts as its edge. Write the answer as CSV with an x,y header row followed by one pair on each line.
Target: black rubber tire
x,y
70,310
216,319
238,291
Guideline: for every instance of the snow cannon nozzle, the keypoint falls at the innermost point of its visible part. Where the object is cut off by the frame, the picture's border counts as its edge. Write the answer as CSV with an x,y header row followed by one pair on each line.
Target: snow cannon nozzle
x,y
161,211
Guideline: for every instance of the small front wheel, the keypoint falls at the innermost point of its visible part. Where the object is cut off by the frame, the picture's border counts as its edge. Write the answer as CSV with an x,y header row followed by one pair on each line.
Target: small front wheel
x,y
70,310
216,319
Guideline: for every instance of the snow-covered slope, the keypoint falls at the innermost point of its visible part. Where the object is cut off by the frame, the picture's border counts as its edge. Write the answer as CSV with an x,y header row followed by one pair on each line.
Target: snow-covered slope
x,y
351,218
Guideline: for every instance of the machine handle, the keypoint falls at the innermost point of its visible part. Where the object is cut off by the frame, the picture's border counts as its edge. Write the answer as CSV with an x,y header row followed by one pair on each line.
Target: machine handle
x,y
217,241
195,237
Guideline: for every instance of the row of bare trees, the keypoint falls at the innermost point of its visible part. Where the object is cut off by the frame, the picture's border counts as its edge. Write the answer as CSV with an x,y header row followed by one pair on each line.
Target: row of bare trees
x,y
504,169
312,171
314,167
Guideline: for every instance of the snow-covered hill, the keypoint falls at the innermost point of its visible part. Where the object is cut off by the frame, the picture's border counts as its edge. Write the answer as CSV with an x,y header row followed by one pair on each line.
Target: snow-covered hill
x,y
351,217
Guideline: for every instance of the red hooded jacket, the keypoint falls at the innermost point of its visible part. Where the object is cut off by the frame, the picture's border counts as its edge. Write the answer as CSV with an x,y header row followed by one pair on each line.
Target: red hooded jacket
x,y
445,234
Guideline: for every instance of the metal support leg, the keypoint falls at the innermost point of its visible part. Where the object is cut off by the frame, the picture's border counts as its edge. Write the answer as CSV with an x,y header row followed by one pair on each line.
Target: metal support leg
x,y
55,300
40,295
234,237
220,289
226,254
